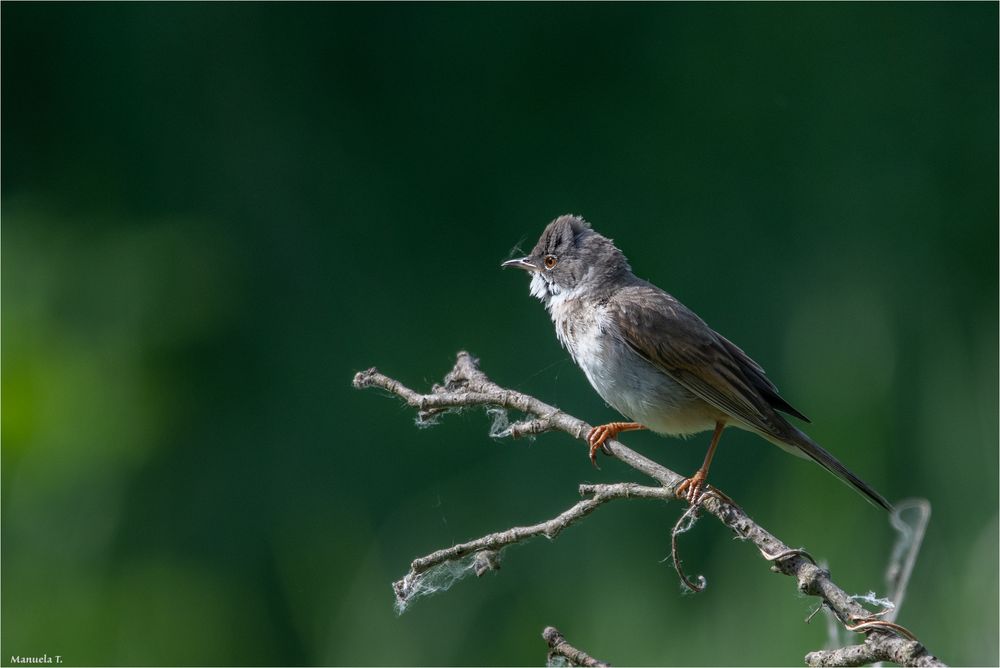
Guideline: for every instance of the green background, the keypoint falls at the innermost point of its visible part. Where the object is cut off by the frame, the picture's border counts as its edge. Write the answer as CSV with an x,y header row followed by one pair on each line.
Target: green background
x,y
215,214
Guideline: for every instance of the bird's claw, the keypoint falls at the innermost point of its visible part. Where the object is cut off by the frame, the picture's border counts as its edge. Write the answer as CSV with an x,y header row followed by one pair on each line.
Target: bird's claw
x,y
595,439
602,432
692,489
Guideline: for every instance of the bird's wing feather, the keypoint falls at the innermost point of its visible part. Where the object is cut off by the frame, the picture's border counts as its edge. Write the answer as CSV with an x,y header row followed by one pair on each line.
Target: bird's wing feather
x,y
671,337
756,375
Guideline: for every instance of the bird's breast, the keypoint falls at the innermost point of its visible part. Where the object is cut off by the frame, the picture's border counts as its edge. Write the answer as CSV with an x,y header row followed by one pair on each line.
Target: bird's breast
x,y
626,381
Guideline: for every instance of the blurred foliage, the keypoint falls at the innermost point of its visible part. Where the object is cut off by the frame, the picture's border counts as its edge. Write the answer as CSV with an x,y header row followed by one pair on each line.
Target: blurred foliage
x,y
214,214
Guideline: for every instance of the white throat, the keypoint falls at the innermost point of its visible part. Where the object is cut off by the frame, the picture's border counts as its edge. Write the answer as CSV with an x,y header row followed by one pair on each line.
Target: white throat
x,y
552,295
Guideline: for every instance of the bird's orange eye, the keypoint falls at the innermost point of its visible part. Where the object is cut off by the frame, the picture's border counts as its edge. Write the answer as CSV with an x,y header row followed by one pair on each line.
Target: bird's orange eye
x,y
550,261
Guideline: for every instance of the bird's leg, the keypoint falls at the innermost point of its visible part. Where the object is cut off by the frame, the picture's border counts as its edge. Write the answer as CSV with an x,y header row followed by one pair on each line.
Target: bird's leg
x,y
690,489
601,433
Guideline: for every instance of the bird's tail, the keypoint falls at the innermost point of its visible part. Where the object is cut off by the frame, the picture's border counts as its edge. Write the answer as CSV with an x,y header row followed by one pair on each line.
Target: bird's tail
x,y
815,452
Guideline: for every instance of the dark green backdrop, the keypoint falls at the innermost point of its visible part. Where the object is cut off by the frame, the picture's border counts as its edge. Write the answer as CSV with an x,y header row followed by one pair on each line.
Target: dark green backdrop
x,y
215,214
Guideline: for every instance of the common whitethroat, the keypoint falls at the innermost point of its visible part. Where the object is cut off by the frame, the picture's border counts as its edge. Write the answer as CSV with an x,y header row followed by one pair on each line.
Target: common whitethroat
x,y
652,359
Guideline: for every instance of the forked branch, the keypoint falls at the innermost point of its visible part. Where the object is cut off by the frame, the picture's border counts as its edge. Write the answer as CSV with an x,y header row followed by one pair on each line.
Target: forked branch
x,y
466,386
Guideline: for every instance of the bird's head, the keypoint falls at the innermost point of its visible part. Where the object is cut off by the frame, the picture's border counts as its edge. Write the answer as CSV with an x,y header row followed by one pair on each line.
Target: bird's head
x,y
570,259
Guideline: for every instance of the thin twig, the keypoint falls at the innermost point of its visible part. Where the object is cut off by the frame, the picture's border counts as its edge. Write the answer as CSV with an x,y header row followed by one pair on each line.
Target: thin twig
x,y
466,386
684,524
870,623
558,647
412,582
904,552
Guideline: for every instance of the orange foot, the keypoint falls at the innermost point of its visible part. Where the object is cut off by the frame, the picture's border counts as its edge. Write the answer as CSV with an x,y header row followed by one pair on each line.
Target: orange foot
x,y
691,489
601,433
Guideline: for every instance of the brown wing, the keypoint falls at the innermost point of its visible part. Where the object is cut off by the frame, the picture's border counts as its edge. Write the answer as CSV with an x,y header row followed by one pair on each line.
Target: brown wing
x,y
755,374
670,336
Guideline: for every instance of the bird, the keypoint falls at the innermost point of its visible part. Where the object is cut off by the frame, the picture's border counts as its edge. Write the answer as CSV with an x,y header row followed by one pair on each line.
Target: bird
x,y
653,359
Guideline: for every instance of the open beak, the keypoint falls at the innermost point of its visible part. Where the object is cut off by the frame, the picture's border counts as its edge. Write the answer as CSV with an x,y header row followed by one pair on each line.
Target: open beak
x,y
521,263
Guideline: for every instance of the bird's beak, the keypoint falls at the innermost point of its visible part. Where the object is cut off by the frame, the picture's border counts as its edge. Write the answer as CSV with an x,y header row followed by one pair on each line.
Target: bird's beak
x,y
521,263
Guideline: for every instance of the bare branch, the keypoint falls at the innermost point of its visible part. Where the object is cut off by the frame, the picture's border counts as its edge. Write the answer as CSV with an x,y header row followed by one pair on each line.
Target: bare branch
x,y
466,386
558,647
905,653
413,583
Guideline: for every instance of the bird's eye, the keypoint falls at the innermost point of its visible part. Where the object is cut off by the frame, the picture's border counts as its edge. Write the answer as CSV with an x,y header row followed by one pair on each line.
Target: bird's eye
x,y
550,261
